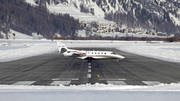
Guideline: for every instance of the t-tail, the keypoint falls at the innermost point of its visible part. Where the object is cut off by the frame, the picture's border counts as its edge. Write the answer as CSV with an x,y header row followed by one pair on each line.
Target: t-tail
x,y
62,48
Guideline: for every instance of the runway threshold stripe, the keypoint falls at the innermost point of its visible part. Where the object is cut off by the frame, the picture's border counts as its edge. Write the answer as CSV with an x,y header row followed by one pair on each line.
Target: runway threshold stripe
x,y
57,83
64,79
24,82
112,79
151,83
116,82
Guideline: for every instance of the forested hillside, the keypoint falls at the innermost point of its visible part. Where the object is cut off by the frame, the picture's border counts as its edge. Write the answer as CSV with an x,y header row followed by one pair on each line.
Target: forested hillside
x,y
22,17
147,15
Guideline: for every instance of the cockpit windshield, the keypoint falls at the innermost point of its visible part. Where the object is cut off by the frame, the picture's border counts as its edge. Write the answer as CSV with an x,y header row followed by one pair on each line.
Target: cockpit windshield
x,y
113,53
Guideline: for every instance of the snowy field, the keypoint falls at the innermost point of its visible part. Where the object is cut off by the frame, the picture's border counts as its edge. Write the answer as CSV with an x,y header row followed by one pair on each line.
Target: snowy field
x,y
18,49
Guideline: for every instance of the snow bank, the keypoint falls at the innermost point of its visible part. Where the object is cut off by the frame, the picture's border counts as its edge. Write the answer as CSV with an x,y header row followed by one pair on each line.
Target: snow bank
x,y
97,92
95,87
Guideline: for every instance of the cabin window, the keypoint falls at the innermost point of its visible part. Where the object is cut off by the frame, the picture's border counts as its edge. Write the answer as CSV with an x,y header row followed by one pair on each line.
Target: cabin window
x,y
104,53
68,51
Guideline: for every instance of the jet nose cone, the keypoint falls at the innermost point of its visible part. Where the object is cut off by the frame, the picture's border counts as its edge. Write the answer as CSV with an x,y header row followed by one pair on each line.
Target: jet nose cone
x,y
121,57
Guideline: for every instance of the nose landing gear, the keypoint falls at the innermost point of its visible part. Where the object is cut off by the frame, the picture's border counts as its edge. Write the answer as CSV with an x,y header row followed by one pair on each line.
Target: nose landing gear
x,y
89,59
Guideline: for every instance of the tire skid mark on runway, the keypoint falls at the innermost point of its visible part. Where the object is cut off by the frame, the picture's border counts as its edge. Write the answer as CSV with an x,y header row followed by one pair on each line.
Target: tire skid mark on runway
x,y
28,69
38,65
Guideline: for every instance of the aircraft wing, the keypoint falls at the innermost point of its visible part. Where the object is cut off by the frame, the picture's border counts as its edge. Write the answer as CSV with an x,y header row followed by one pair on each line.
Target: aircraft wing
x,y
78,54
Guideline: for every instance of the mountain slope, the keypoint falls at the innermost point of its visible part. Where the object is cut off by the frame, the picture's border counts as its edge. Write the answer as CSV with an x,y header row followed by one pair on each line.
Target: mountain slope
x,y
155,15
22,17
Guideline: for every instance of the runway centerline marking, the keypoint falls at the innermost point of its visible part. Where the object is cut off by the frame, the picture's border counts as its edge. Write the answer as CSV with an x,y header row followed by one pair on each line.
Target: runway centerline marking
x,y
88,75
89,70
89,63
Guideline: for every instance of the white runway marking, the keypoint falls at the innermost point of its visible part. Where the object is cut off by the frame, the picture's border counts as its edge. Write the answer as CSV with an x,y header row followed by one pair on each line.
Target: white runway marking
x,y
64,79
111,79
75,79
24,82
89,70
116,82
88,75
89,63
89,67
57,83
151,83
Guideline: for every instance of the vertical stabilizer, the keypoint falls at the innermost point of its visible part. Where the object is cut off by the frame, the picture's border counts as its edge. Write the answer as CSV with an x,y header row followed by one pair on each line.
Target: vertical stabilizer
x,y
62,48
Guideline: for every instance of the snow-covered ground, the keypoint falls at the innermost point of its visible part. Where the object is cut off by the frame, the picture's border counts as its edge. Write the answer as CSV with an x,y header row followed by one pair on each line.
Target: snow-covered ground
x,y
18,49
119,34
97,92
12,34
72,11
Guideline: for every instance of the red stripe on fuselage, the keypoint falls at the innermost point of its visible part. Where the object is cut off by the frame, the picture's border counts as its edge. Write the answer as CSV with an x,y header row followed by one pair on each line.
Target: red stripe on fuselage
x,y
101,56
81,52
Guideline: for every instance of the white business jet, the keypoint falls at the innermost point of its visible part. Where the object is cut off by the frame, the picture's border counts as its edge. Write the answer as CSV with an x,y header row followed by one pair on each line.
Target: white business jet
x,y
87,55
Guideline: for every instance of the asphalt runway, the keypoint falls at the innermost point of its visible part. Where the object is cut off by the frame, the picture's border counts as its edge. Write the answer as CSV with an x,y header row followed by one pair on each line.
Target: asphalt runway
x,y
55,69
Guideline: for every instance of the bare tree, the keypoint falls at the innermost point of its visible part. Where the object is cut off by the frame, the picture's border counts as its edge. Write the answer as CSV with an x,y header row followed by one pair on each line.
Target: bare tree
x,y
176,38
84,8
1,36
88,31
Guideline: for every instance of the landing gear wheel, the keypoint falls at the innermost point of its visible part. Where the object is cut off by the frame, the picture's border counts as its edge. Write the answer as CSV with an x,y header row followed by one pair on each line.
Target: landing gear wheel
x,y
89,59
